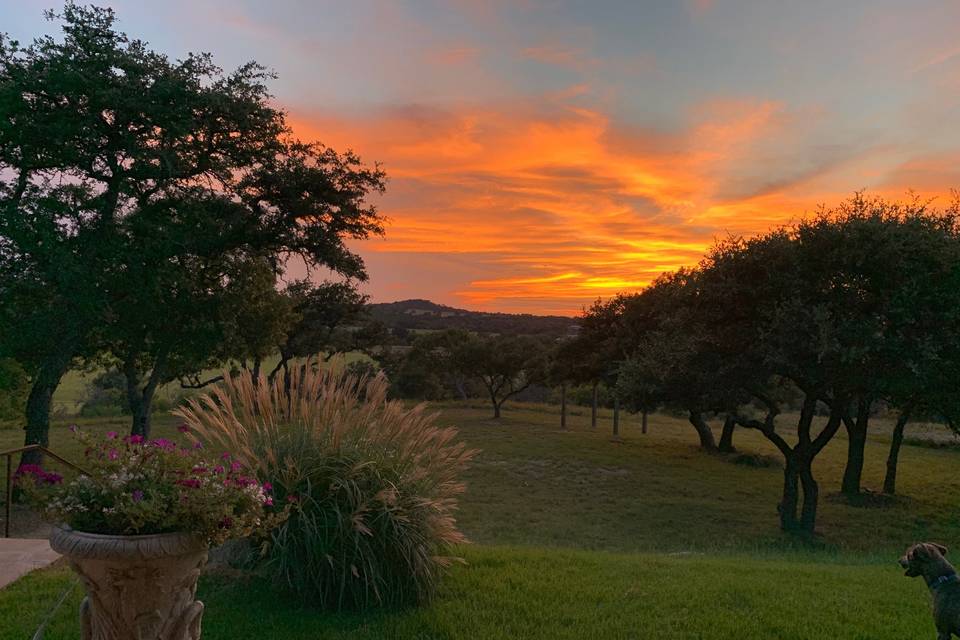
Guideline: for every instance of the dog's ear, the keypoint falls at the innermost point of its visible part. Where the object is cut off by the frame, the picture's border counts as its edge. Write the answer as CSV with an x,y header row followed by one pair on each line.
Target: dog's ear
x,y
939,547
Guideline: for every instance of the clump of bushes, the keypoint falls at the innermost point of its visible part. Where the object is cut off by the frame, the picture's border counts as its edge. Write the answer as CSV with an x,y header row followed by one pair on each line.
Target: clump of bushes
x,y
373,484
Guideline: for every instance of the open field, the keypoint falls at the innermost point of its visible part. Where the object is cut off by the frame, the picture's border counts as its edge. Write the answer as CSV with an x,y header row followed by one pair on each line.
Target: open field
x,y
578,536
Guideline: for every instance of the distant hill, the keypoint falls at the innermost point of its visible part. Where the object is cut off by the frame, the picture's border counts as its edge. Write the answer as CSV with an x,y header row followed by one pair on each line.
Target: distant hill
x,y
425,315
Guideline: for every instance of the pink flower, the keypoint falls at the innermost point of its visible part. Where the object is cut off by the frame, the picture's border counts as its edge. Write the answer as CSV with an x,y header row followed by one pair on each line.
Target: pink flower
x,y
182,428
38,474
113,454
224,456
226,523
193,483
268,501
293,498
135,439
267,487
218,469
235,466
163,443
198,445
111,435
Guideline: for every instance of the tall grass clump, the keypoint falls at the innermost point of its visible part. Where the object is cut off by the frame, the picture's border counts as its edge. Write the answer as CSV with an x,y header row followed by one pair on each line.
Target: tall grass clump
x,y
373,485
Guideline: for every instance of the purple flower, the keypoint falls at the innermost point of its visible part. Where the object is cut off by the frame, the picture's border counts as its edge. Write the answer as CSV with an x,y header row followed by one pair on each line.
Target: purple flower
x,y
134,439
218,469
163,443
137,495
198,445
267,487
235,466
38,474
111,435
182,428
224,456
113,454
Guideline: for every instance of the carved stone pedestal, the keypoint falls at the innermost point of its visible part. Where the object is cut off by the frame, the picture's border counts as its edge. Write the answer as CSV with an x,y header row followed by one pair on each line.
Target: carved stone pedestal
x,y
138,587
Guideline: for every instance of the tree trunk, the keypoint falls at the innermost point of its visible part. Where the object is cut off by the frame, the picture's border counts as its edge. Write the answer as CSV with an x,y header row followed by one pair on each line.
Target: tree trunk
x,y
790,499
496,410
563,406
255,372
856,443
726,437
141,418
890,480
616,416
593,406
811,495
707,442
643,422
141,399
37,428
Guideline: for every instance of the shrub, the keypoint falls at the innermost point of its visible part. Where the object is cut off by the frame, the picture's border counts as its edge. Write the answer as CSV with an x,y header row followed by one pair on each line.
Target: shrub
x,y
106,395
132,487
373,484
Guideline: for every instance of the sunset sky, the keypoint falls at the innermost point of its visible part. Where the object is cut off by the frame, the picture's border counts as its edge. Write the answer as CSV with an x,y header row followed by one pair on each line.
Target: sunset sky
x,y
543,154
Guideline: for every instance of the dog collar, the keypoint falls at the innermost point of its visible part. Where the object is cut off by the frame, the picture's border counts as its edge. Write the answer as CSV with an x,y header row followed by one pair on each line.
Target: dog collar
x,y
936,583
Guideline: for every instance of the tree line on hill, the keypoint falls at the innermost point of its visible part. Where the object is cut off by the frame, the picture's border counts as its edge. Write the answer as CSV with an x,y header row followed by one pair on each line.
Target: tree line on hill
x,y
407,317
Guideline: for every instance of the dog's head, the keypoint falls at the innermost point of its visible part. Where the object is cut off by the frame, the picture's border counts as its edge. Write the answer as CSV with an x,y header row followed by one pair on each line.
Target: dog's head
x,y
922,559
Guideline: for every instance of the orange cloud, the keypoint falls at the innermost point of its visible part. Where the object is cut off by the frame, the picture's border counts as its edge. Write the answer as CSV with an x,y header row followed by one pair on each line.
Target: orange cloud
x,y
553,205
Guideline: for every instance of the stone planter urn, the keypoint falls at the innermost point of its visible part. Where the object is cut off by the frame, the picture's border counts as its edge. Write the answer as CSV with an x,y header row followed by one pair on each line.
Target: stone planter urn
x,y
138,587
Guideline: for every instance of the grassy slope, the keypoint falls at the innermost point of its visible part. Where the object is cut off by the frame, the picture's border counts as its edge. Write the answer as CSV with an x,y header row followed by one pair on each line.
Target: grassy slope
x,y
535,489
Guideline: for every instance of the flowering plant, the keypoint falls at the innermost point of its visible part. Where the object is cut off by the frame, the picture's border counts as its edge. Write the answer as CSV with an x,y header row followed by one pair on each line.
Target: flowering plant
x,y
137,486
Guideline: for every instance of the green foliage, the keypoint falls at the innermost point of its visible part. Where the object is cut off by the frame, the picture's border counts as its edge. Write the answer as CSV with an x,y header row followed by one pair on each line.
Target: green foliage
x,y
14,387
374,485
504,365
149,205
328,319
131,486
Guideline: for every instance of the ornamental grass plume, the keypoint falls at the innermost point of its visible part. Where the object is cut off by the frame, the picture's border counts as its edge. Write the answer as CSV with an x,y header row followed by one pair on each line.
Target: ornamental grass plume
x,y
373,484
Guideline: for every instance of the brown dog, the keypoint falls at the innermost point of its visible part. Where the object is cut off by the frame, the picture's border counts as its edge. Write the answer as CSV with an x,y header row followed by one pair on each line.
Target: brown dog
x,y
926,560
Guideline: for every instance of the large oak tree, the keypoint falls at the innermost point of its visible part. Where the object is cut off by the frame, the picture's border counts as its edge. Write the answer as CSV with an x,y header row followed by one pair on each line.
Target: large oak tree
x,y
134,189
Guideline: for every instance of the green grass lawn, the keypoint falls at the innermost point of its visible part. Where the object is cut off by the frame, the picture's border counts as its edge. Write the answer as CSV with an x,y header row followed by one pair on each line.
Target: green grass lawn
x,y
509,593
578,536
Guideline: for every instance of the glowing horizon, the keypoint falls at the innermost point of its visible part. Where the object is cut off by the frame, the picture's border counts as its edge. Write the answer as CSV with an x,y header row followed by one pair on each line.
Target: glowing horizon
x,y
544,154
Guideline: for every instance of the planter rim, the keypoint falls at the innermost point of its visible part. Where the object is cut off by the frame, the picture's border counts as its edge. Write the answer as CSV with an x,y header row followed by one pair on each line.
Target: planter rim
x,y
100,546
